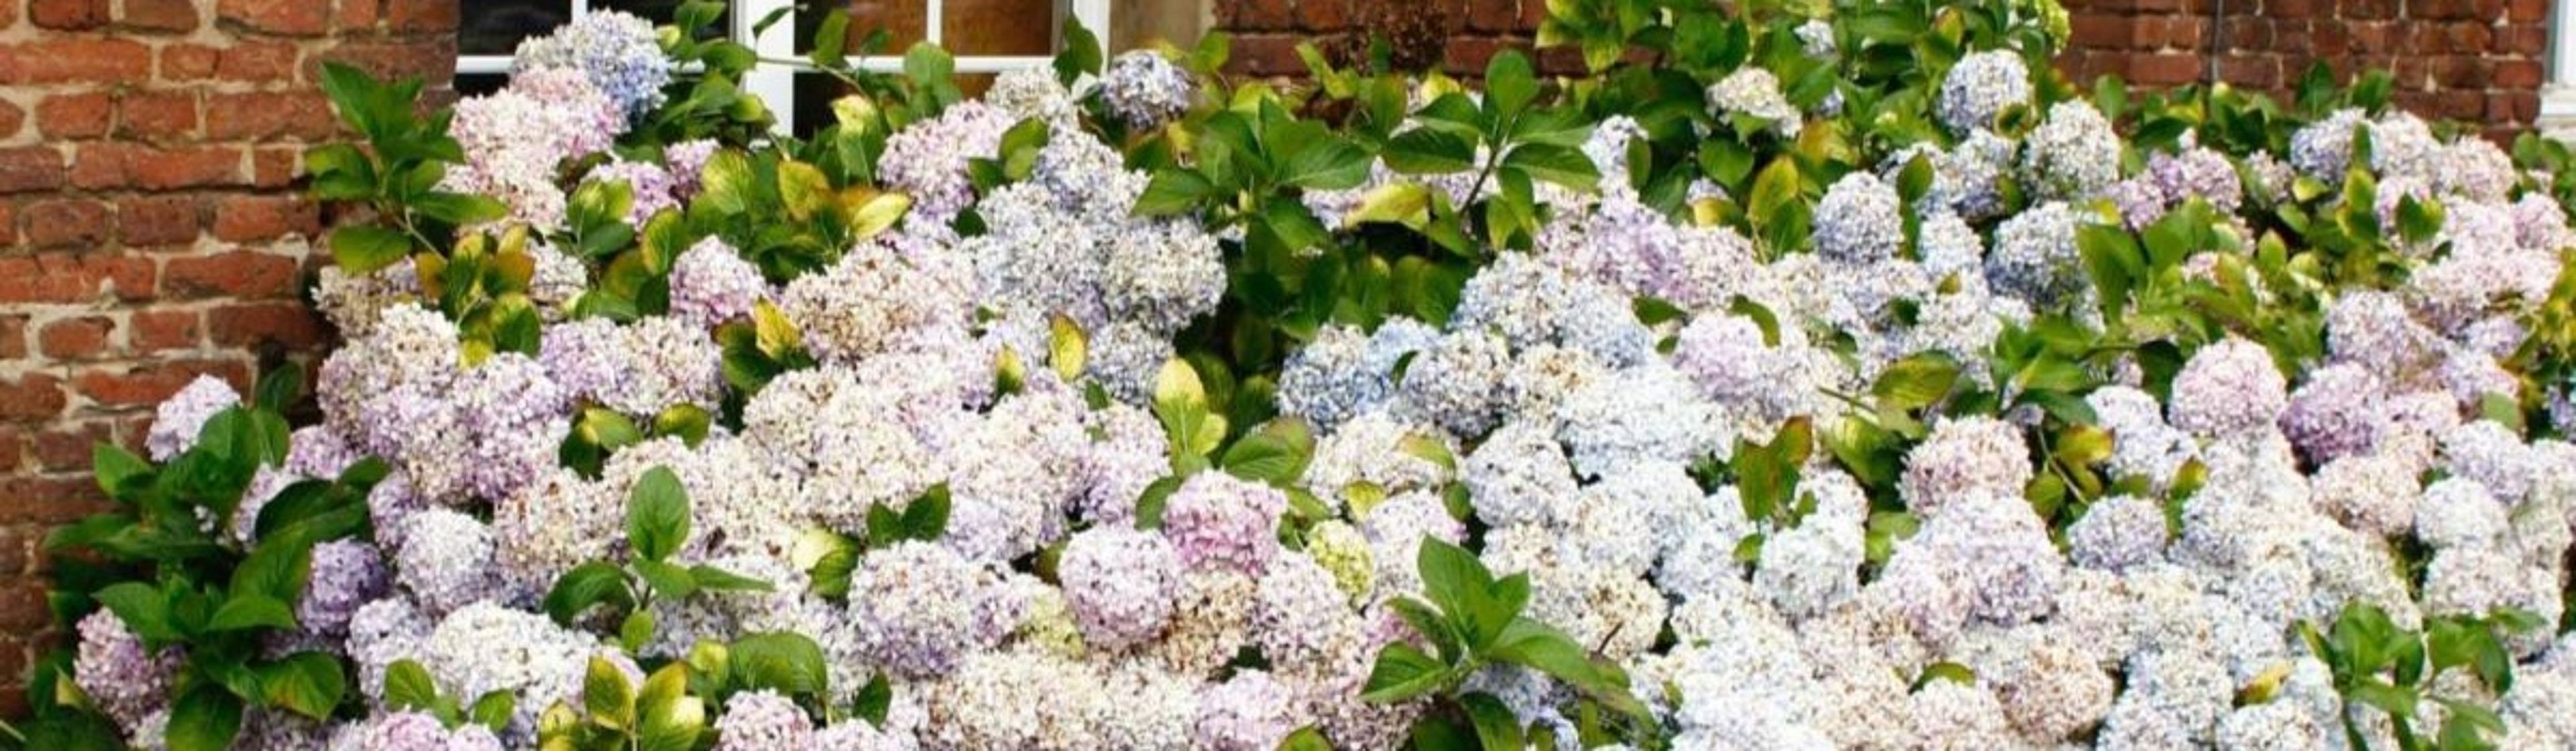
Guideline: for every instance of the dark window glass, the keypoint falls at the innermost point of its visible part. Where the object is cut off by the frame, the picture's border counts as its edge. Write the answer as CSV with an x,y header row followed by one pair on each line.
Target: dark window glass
x,y
814,95
477,84
494,27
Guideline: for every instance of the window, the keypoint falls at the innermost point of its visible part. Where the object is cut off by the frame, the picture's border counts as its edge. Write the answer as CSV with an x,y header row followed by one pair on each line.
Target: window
x,y
2558,94
987,36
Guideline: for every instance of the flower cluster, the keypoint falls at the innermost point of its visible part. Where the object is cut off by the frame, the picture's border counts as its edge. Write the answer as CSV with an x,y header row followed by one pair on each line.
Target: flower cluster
x,y
1938,471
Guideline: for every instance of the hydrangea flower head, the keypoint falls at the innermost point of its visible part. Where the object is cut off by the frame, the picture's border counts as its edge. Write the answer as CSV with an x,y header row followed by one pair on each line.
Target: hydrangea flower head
x,y
1146,90
176,422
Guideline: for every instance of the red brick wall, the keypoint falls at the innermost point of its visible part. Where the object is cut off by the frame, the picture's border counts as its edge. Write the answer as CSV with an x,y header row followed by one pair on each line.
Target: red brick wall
x,y
2470,60
2480,61
150,224
1266,32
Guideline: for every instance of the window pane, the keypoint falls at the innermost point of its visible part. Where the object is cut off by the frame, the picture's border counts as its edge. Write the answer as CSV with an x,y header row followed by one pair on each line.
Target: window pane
x,y
902,20
477,84
813,106
999,27
494,27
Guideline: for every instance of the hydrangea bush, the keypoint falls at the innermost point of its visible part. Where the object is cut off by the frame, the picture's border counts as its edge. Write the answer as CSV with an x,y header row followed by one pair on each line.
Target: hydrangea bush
x,y
1832,378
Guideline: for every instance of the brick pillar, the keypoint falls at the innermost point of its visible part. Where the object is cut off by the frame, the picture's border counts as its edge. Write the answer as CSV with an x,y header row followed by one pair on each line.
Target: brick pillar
x,y
151,227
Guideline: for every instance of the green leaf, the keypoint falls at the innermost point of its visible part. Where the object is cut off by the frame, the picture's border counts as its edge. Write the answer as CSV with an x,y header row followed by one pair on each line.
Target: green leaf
x,y
306,683
205,718
874,700
1315,159
784,662
657,514
1424,151
636,630
831,39
494,710
409,686
672,720
1173,191
586,585
926,518
1946,671
249,611
1275,453
1496,726
1917,381
714,579
1403,672
668,581
1510,83
1562,165
361,249
1305,739
115,468
606,695
1081,53
145,611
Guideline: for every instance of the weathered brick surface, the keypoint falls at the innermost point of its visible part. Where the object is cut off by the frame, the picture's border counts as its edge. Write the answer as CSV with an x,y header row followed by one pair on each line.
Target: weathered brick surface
x,y
2479,61
152,226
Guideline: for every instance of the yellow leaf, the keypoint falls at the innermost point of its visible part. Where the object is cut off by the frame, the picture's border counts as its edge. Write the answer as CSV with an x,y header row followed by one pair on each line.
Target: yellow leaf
x,y
1068,348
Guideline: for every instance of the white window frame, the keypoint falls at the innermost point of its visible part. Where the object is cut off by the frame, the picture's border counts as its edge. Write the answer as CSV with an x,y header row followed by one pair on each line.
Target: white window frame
x,y
775,83
2558,92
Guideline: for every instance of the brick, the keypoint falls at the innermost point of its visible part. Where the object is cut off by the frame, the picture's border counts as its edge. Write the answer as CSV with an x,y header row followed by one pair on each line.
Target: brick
x,y
157,115
261,116
75,115
70,278
68,15
1262,15
2250,71
355,17
188,62
48,500
433,60
2519,74
1494,16
1314,16
33,397
164,330
256,61
80,338
150,384
256,218
112,165
283,17
68,223
13,454
159,15
74,60
159,220
2166,69
240,273
291,325
69,448
2100,32
13,336
420,16
275,167
2527,11
30,168
22,607
11,117
1268,55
